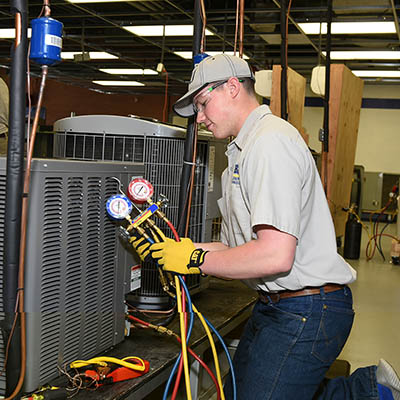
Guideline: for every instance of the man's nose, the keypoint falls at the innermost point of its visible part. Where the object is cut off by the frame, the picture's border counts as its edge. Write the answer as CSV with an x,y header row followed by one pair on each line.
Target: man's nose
x,y
200,117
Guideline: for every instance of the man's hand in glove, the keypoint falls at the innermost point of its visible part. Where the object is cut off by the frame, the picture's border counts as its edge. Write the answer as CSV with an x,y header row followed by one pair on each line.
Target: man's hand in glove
x,y
141,246
178,257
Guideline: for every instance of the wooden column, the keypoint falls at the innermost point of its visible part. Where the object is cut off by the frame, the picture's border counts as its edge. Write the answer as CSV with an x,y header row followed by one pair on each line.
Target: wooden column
x,y
344,116
296,93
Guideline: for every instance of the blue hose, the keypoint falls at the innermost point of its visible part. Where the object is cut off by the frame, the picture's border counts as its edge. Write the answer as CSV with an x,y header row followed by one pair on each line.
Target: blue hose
x,y
228,356
189,332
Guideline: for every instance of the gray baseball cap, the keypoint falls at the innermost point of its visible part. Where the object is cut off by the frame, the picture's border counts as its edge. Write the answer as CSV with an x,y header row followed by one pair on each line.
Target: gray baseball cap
x,y
212,69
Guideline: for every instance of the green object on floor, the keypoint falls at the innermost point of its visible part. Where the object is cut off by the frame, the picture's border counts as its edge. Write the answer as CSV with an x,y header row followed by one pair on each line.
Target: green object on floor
x,y
338,368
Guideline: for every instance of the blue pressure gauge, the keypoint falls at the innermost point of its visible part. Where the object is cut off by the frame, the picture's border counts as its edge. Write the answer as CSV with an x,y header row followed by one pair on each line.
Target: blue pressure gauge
x,y
119,206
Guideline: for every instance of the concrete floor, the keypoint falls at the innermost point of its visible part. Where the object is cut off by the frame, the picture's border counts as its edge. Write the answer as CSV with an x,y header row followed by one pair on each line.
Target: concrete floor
x,y
376,328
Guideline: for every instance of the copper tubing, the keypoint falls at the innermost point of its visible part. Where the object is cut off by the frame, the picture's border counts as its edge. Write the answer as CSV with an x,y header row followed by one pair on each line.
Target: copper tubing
x,y
189,203
241,33
24,217
17,29
46,6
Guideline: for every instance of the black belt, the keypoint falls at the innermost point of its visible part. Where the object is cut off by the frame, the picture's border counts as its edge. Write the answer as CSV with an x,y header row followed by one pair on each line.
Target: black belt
x,y
267,297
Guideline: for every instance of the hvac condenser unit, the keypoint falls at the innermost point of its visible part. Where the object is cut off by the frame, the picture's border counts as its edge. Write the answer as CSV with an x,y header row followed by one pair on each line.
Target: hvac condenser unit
x,y
160,147
76,269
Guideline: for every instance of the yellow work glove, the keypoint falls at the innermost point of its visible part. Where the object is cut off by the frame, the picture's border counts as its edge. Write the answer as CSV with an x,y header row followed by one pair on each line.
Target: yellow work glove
x,y
141,246
178,257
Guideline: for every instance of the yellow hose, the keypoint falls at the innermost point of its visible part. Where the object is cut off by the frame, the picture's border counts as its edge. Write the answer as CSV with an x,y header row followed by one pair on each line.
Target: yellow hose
x,y
104,360
213,349
183,338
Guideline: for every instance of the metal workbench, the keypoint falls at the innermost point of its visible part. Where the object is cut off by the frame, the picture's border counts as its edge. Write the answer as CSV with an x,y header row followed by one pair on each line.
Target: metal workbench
x,y
226,304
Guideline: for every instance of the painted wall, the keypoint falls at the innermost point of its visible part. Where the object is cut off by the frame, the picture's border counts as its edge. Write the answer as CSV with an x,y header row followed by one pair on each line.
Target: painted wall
x,y
60,100
378,144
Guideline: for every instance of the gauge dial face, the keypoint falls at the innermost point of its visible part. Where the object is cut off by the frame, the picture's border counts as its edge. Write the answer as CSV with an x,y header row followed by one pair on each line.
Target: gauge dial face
x,y
140,190
119,206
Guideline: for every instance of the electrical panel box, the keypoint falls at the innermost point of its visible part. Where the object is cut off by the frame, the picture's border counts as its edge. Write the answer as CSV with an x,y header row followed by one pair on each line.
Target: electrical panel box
x,y
372,193
76,269
376,189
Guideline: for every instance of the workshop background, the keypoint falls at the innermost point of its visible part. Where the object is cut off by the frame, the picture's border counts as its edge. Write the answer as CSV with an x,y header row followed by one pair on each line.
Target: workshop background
x,y
129,58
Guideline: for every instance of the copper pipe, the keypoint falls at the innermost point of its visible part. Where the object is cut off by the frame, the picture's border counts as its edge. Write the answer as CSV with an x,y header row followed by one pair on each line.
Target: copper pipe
x,y
189,203
24,217
46,6
241,30
236,26
17,29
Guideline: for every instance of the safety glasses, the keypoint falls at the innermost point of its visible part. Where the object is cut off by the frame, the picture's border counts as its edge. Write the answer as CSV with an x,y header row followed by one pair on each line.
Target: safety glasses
x,y
201,106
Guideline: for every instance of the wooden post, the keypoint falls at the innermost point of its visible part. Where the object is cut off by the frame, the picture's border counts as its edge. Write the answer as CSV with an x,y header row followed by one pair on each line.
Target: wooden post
x,y
344,117
295,98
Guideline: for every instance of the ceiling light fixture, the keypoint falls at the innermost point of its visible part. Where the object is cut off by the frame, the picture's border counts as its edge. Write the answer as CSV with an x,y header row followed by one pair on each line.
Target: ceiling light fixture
x,y
348,28
9,33
157,30
188,54
376,74
364,55
118,83
94,55
99,1
129,71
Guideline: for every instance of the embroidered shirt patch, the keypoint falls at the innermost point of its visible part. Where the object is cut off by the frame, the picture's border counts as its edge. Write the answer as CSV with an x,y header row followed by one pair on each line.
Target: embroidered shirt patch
x,y
235,177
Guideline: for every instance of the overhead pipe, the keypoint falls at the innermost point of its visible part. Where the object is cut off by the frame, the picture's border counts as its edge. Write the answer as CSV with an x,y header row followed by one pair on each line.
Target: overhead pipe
x,y
191,135
325,142
241,29
15,172
395,18
283,61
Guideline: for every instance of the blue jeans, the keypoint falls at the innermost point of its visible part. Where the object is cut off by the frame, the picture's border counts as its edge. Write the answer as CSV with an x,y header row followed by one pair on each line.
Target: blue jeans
x,y
287,347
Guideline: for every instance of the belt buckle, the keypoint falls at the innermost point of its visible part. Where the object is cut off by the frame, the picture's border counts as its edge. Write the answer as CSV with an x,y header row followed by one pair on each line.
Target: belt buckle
x,y
269,298
275,298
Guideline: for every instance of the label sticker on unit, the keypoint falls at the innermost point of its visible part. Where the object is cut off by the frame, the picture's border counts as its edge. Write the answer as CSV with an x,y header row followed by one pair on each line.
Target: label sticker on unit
x,y
211,168
136,277
53,40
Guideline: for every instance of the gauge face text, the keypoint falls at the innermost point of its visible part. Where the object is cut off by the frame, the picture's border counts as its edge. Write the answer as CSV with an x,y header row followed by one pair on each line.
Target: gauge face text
x,y
140,190
119,206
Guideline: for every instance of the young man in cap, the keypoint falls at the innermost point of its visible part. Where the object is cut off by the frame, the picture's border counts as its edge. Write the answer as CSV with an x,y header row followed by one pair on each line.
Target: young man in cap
x,y
278,237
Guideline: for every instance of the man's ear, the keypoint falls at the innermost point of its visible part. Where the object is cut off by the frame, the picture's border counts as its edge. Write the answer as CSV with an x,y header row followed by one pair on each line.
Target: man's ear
x,y
234,86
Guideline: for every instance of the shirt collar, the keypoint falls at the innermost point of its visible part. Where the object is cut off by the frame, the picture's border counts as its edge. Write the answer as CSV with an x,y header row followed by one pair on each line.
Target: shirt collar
x,y
246,129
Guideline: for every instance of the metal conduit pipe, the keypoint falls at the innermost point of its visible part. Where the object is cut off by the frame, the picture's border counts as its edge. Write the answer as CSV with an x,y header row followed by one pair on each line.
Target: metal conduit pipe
x,y
327,76
15,171
283,61
325,141
190,136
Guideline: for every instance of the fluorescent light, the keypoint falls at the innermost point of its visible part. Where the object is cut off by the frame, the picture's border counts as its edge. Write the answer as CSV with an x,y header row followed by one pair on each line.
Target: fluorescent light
x,y
348,28
376,74
9,33
94,55
118,83
188,54
157,30
364,55
98,1
129,71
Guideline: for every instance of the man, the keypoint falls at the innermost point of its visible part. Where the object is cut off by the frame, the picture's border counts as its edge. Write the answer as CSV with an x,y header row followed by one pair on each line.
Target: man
x,y
278,237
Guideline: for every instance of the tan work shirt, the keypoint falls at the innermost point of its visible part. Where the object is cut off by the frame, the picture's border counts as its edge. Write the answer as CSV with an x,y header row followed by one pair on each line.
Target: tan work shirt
x,y
272,179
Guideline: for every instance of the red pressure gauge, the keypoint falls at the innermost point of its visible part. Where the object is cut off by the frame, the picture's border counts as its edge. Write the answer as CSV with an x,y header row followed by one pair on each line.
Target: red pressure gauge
x,y
140,190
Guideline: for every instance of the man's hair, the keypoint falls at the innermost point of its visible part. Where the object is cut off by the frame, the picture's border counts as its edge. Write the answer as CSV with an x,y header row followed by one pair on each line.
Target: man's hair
x,y
248,84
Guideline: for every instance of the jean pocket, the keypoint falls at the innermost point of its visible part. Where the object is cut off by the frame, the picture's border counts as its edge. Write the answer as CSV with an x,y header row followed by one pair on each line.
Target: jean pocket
x,y
299,308
333,331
